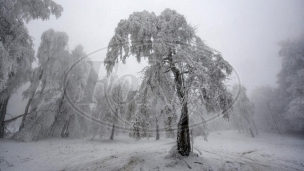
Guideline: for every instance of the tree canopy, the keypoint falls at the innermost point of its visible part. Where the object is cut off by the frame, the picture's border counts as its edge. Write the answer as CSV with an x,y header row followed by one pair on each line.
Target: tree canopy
x,y
16,46
176,56
51,114
290,79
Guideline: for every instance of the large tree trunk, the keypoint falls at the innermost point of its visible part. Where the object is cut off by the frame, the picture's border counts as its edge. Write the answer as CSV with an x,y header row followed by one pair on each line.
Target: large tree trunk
x,y
3,106
183,138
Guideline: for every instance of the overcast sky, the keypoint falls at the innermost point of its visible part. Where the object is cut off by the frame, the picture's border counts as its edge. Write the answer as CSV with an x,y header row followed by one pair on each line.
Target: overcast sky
x,y
245,32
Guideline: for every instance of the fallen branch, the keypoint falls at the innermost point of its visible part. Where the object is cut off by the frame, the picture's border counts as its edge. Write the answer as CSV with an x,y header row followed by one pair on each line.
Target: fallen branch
x,y
199,163
14,118
186,163
248,152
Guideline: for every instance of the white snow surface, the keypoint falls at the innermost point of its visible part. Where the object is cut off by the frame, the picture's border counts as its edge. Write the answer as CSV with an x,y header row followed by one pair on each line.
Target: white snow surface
x,y
225,150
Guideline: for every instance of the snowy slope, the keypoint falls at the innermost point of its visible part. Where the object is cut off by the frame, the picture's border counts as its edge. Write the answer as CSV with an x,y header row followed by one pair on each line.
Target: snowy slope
x,y
227,150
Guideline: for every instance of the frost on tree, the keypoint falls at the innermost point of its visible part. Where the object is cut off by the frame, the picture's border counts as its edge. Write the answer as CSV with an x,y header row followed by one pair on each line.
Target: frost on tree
x,y
16,47
99,111
142,119
116,95
148,111
268,108
197,114
50,113
178,57
291,84
112,97
242,110
282,107
169,121
130,109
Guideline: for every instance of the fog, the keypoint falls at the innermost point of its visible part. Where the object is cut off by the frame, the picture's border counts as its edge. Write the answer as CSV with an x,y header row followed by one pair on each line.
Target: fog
x,y
245,32
177,104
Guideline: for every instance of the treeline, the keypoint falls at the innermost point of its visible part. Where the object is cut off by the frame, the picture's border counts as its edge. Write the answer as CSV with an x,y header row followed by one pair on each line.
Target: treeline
x,y
281,109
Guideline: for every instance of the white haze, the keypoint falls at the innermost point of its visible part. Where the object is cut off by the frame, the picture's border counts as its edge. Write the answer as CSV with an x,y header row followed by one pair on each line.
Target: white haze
x,y
245,32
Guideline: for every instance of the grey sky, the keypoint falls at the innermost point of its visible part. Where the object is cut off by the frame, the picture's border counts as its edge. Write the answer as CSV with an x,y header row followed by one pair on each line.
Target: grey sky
x,y
246,32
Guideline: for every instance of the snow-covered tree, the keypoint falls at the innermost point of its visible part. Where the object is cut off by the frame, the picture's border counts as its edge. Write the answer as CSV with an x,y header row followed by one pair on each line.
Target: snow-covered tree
x,y
243,113
74,87
149,111
141,122
197,119
51,114
130,109
112,99
45,80
100,111
117,98
177,57
50,51
81,127
268,108
284,105
296,106
169,121
16,47
157,107
291,82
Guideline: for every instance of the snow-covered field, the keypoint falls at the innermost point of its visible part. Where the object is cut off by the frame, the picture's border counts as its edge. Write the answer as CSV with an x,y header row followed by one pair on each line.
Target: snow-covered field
x,y
227,150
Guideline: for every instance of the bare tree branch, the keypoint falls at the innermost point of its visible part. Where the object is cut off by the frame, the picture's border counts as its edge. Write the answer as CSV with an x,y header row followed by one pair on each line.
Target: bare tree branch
x,y
14,118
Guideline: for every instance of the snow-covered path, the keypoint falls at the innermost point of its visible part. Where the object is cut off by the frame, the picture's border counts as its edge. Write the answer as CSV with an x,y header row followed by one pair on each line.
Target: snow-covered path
x,y
264,152
227,150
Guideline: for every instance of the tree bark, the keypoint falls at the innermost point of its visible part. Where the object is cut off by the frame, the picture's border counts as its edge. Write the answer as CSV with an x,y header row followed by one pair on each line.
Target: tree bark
x,y
192,139
251,132
157,131
183,138
3,106
112,133
26,111
12,119
31,99
65,129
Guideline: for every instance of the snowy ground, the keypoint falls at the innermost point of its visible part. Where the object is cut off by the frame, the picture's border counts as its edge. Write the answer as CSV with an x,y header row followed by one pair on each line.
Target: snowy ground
x,y
227,150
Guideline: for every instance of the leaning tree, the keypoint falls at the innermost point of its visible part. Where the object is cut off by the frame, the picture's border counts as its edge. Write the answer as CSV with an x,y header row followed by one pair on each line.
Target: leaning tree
x,y
16,45
176,56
